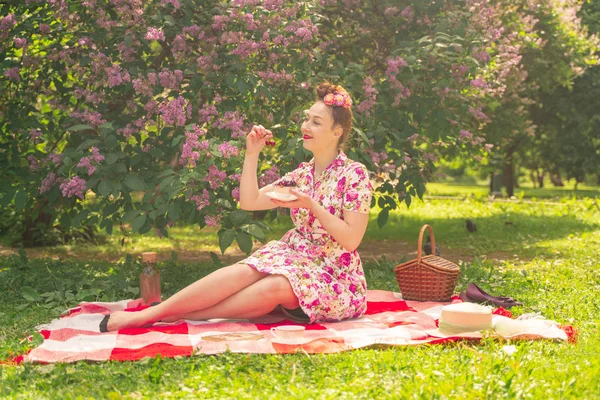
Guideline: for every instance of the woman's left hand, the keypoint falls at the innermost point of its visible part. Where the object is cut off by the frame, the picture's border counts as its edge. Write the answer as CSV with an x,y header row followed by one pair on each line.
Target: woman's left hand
x,y
303,201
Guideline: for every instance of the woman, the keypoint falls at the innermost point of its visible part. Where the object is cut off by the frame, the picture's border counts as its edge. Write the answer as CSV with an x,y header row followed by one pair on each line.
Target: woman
x,y
315,267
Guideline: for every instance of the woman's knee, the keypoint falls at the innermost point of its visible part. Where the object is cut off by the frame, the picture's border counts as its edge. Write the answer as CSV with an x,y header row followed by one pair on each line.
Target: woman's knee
x,y
245,271
280,287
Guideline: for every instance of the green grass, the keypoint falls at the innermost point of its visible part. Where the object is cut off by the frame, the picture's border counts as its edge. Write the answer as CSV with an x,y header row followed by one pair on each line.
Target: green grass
x,y
555,272
525,191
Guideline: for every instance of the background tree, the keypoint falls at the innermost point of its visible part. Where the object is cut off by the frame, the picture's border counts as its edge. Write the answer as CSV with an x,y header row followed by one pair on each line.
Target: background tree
x,y
133,114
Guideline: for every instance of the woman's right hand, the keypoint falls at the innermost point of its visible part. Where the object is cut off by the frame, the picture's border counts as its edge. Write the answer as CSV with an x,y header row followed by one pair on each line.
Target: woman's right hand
x,y
257,139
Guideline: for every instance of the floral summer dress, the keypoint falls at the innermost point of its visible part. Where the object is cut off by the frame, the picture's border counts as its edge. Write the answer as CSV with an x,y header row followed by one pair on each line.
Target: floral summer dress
x,y
327,279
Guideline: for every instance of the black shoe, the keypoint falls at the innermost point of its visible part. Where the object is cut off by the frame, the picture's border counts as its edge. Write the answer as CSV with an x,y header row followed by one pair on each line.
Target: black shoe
x,y
104,323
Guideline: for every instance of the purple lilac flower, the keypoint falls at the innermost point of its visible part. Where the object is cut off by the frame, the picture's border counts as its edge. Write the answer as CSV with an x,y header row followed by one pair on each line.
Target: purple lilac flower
x,y
13,74
201,201
212,220
155,34
215,177
20,42
48,182
174,112
73,187
234,121
228,150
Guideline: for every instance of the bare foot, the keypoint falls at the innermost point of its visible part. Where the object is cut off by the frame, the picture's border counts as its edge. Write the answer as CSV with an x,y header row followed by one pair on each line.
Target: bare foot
x,y
121,319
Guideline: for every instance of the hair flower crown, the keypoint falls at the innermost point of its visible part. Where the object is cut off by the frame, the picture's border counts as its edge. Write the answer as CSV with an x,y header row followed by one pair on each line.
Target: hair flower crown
x,y
338,99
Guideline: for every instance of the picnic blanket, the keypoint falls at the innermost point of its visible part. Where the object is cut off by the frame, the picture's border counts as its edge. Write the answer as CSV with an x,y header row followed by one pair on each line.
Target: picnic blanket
x,y
389,320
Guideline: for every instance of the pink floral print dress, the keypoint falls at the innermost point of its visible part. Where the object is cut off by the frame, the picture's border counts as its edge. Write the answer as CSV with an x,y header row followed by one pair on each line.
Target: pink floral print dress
x,y
327,279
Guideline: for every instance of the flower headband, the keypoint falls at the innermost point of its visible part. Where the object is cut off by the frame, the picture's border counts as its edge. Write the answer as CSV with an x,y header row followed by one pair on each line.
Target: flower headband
x,y
339,99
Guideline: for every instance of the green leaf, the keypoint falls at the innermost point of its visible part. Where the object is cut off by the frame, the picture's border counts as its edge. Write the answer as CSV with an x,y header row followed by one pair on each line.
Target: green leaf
x,y
106,128
226,238
362,135
138,223
239,217
110,209
20,200
166,182
242,86
256,232
81,216
30,294
111,141
230,79
104,188
109,227
87,144
244,241
135,183
173,211
7,198
166,172
215,259
383,217
79,127
145,228
131,215
111,158
169,19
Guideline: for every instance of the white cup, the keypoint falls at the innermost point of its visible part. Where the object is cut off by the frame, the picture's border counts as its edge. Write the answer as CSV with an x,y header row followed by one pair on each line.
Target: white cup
x,y
288,331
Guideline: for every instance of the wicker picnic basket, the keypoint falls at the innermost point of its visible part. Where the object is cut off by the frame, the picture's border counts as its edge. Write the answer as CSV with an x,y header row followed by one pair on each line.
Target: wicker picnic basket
x,y
429,278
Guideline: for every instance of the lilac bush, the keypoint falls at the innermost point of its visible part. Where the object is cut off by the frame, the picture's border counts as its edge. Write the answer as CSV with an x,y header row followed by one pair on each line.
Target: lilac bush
x,y
141,107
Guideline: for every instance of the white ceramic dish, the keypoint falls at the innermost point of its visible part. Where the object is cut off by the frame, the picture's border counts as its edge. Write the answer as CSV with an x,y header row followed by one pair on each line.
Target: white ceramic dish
x,y
284,189
281,196
291,341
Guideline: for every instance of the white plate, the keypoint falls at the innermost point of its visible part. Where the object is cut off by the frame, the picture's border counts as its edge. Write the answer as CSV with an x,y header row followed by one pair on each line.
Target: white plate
x,y
281,196
301,340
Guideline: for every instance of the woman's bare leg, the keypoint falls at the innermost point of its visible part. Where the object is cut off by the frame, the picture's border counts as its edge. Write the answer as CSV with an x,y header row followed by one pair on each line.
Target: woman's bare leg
x,y
256,300
203,293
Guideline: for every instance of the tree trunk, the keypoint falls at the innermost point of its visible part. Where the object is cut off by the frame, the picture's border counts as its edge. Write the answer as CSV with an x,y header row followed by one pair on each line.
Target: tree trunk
x,y
492,182
508,175
28,235
533,178
556,179
541,179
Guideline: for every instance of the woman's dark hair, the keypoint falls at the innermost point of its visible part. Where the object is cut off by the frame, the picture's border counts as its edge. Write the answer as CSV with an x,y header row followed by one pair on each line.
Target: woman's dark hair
x,y
341,116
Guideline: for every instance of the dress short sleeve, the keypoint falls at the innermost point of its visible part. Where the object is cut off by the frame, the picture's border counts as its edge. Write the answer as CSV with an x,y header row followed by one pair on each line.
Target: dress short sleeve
x,y
358,189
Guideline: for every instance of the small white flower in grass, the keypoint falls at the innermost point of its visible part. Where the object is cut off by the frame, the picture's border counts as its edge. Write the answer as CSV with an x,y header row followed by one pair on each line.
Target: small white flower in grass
x,y
510,350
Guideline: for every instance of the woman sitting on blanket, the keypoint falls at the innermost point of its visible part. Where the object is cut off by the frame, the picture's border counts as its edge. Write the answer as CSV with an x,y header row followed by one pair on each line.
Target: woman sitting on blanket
x,y
314,269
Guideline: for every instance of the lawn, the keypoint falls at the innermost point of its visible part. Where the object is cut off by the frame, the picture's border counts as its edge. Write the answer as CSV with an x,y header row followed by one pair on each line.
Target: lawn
x,y
545,255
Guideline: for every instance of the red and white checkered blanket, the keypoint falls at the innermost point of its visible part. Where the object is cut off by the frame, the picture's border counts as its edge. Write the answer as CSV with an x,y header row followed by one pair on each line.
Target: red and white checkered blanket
x,y
388,321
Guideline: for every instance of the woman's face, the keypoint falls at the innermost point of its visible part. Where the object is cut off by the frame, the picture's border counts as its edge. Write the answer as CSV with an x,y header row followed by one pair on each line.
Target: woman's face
x,y
318,133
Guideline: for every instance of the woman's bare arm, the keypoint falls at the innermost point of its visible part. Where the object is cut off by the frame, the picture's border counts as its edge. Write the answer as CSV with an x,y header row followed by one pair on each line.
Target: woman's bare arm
x,y
348,232
251,198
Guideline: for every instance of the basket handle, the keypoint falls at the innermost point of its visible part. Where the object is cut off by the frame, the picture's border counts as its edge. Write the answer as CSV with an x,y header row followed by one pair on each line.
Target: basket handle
x,y
420,248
